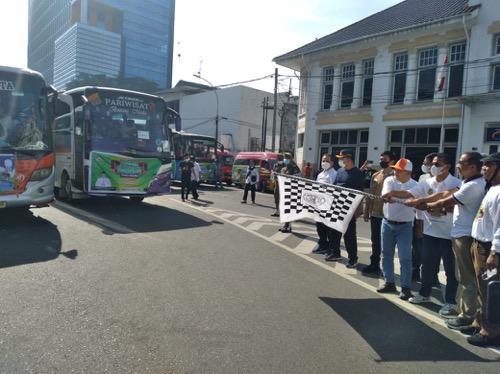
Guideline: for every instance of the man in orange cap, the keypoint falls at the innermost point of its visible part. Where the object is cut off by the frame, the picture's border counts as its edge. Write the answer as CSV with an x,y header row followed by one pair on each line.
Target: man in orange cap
x,y
397,229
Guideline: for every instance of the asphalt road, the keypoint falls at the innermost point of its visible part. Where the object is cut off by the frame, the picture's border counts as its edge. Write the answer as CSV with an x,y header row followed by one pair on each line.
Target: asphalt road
x,y
112,286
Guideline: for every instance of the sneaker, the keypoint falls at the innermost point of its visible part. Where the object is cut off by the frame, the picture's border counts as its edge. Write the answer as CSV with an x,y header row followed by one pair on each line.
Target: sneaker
x,y
387,288
418,299
352,264
405,294
275,214
371,269
483,340
448,311
285,230
253,202
459,323
243,201
333,258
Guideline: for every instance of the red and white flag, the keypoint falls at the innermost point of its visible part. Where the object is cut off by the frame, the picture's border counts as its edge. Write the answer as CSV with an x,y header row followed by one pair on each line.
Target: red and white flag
x,y
442,75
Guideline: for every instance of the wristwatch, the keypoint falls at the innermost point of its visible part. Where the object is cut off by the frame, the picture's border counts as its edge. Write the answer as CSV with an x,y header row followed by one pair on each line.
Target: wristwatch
x,y
493,253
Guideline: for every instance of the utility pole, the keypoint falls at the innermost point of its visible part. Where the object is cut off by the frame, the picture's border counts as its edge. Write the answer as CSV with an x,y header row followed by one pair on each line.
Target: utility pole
x,y
262,134
275,106
266,107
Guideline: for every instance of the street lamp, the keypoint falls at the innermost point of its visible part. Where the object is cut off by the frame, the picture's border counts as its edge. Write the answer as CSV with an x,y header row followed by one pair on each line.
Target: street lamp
x,y
216,126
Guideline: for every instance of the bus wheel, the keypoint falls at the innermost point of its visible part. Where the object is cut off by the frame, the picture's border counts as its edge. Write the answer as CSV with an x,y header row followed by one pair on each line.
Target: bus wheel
x,y
136,199
65,192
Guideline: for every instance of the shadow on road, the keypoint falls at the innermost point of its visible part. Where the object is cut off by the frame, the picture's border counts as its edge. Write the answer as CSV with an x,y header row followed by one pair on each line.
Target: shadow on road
x,y
26,239
396,335
116,215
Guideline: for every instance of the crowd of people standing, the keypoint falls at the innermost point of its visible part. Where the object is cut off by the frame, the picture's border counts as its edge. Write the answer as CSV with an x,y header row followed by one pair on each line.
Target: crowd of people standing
x,y
438,219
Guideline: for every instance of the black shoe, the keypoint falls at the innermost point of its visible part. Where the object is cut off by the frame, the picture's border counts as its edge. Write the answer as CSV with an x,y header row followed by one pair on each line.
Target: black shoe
x,y
387,288
371,269
482,340
243,201
333,258
469,330
459,323
352,264
285,230
405,293
319,250
275,214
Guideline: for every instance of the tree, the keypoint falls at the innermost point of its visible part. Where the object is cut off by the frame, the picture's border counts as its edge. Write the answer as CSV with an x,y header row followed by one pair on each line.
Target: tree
x,y
128,83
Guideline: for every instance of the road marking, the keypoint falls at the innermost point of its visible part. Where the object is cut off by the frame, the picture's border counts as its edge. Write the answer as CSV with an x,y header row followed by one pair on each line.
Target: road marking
x,y
346,273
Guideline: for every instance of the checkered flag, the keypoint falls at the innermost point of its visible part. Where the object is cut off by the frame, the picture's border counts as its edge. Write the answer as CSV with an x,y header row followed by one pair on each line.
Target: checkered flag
x,y
301,198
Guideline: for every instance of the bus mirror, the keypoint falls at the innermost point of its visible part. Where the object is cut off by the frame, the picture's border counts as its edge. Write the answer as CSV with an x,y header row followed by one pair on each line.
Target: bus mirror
x,y
170,114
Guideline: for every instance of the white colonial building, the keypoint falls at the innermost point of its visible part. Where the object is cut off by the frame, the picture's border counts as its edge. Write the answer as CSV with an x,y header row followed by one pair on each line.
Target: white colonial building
x,y
374,85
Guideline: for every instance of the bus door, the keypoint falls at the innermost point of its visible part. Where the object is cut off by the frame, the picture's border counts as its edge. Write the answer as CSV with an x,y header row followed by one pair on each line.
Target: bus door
x,y
62,133
79,148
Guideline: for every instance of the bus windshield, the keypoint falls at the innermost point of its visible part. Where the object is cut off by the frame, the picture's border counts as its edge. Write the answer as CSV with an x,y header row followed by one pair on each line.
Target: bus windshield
x,y
124,122
23,123
202,148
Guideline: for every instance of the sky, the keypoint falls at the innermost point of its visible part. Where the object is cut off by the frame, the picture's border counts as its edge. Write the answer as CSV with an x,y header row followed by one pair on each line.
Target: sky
x,y
227,41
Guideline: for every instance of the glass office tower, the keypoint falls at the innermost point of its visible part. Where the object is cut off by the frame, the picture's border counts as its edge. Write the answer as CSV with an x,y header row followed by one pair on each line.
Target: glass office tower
x,y
139,32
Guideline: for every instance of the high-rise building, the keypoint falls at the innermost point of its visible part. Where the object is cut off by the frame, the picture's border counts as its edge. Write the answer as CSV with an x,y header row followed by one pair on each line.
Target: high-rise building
x,y
112,37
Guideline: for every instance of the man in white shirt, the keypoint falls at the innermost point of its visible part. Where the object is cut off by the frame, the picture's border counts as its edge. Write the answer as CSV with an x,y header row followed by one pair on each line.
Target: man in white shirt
x,y
466,201
195,177
325,233
397,229
437,234
486,248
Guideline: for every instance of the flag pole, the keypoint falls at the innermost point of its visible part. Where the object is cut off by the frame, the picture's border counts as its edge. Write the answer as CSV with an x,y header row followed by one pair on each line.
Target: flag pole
x,y
441,138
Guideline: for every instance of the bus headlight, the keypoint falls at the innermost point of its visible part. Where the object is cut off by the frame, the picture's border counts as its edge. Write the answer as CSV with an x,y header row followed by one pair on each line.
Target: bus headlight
x,y
40,174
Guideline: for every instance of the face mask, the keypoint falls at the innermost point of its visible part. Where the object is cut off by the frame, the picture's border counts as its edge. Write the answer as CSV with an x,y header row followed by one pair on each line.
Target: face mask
x,y
286,161
341,163
383,164
435,170
425,169
325,165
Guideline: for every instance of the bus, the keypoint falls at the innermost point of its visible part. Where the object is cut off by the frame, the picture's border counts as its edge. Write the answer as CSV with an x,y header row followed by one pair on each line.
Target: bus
x,y
110,141
202,147
26,154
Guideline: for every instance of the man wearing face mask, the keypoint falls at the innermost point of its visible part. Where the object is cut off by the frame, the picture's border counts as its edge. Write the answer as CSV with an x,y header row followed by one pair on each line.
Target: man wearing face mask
x,y
290,168
277,168
486,248
325,233
348,176
466,201
374,209
437,233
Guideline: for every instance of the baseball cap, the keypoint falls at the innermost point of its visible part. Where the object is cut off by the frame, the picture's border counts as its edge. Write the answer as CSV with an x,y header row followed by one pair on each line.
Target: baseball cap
x,y
403,164
494,157
345,153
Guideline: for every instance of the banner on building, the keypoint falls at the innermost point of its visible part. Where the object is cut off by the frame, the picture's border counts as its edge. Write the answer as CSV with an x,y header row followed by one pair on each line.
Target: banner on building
x,y
301,198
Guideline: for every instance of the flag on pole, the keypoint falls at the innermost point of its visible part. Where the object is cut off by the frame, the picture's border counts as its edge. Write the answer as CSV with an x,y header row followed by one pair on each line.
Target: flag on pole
x,y
442,75
301,198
